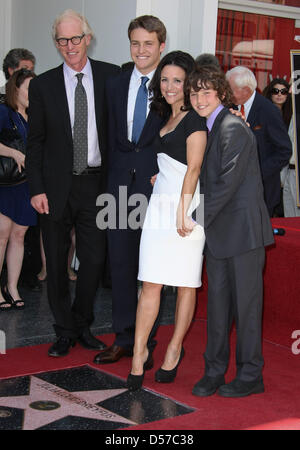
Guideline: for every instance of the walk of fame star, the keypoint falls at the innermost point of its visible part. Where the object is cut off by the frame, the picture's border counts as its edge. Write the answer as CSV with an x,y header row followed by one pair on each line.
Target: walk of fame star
x,y
47,403
79,398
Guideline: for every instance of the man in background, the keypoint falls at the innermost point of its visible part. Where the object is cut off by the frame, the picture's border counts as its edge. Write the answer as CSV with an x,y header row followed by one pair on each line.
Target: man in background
x,y
17,58
273,142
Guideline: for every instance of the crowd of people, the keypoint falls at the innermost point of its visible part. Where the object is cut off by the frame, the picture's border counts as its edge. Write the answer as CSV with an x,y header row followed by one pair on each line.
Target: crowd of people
x,y
164,129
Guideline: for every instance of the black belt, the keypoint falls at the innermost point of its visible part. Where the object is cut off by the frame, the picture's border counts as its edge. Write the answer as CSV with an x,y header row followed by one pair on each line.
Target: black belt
x,y
89,171
292,166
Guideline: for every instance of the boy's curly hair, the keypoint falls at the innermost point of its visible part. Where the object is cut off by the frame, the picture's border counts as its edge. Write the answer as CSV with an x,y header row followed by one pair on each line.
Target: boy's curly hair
x,y
209,77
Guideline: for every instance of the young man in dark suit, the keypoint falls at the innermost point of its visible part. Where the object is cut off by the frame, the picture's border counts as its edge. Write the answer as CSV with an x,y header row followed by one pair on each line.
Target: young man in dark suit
x,y
237,228
66,167
273,143
132,162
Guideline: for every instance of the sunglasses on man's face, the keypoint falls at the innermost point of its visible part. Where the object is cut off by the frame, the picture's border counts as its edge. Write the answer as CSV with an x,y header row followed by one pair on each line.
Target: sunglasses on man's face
x,y
283,91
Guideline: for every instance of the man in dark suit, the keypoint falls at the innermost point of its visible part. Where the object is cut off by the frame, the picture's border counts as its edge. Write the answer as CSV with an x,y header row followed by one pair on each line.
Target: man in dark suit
x,y
132,162
66,166
273,142
237,228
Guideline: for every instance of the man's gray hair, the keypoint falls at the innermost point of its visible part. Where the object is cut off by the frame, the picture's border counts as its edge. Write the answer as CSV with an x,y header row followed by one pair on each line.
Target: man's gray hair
x,y
13,58
71,14
242,77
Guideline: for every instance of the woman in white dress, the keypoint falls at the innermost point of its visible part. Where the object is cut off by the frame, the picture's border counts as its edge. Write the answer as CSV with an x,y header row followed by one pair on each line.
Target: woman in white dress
x,y
167,255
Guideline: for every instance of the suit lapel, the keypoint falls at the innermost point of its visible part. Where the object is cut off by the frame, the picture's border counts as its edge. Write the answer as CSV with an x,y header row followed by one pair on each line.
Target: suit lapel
x,y
213,133
99,90
59,93
153,122
123,97
97,82
253,111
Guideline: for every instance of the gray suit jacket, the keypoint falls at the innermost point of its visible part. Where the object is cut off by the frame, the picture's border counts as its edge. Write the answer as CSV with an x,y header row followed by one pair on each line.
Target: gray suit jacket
x,y
236,219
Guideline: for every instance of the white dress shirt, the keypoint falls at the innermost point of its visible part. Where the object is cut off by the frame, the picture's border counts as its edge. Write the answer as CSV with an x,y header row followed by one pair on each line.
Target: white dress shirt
x,y
135,82
94,156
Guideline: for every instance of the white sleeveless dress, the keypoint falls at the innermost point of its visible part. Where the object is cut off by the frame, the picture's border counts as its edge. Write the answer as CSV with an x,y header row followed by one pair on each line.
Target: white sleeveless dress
x,y
165,257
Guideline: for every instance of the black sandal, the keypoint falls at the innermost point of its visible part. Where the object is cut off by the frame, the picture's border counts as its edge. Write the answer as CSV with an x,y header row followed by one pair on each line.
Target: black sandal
x,y
18,304
5,308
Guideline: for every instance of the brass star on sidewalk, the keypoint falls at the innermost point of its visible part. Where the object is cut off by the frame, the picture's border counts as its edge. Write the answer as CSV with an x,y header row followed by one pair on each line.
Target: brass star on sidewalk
x,y
47,403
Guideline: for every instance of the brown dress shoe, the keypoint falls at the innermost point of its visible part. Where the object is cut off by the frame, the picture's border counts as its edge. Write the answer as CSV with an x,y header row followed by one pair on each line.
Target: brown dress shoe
x,y
112,354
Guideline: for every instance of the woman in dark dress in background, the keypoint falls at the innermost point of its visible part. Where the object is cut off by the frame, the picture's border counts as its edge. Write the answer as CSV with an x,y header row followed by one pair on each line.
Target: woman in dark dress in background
x,y
278,91
16,213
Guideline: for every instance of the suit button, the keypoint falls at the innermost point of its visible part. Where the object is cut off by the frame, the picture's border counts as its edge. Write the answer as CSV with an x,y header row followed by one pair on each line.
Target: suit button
x,y
137,149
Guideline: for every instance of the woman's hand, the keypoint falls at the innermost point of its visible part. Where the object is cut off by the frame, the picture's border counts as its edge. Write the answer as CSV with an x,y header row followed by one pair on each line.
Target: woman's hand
x,y
153,179
185,224
19,157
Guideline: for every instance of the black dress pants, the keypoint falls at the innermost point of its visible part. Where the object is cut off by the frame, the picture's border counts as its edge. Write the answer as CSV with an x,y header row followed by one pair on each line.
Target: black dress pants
x,y
123,250
81,211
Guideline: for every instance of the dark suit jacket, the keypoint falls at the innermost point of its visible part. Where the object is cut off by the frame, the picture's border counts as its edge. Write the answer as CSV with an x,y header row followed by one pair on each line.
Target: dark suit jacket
x,y
49,157
274,145
130,165
236,219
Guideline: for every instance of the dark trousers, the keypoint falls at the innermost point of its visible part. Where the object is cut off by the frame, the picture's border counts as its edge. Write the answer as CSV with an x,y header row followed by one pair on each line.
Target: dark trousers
x,y
235,292
80,212
123,250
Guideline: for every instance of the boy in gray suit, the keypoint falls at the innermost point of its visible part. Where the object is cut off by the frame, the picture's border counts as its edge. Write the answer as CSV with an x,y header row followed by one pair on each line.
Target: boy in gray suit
x,y
237,228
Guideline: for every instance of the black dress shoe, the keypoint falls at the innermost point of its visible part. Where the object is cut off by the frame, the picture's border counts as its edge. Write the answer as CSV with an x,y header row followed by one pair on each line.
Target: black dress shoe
x,y
87,340
112,354
168,376
240,388
208,385
61,347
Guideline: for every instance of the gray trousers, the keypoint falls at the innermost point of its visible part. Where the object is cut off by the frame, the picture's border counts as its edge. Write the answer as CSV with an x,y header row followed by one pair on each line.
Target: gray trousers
x,y
235,293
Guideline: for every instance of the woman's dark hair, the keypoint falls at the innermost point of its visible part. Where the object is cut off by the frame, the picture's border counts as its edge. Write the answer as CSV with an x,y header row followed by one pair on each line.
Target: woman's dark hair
x,y
15,81
176,58
209,77
286,109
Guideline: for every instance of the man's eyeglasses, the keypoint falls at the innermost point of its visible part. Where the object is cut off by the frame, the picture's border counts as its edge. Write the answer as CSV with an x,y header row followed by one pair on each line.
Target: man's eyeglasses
x,y
63,42
283,91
